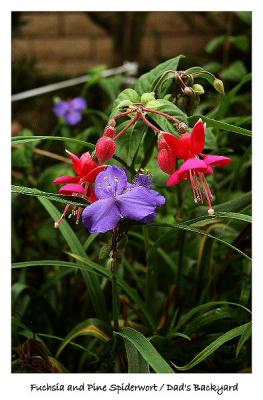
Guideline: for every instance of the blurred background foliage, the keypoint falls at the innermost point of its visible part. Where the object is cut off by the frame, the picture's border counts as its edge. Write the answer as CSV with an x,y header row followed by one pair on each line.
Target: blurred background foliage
x,y
188,270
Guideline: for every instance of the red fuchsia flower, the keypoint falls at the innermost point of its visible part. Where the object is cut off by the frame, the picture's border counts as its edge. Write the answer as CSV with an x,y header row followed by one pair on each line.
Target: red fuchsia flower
x,y
165,157
196,165
86,170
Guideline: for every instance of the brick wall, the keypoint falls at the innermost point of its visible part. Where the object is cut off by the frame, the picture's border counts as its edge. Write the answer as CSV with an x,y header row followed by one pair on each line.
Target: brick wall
x,y
70,42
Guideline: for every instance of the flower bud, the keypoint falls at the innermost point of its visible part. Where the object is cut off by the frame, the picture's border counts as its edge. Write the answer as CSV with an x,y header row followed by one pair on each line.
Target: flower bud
x,y
198,89
182,128
166,161
109,131
219,86
188,91
105,148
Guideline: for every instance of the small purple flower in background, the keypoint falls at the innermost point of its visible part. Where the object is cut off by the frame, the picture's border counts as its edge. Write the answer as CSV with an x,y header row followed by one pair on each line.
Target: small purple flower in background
x,y
118,199
71,110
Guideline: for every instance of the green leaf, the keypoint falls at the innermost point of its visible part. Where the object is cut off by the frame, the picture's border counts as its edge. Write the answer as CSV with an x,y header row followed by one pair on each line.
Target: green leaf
x,y
235,71
146,81
29,139
202,308
94,290
215,43
220,125
241,42
136,363
245,16
88,265
169,108
226,101
91,327
244,337
212,347
127,95
130,141
201,232
51,196
146,349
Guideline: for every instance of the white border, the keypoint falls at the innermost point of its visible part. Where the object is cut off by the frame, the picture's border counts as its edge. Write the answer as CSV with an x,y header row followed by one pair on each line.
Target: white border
x,y
18,384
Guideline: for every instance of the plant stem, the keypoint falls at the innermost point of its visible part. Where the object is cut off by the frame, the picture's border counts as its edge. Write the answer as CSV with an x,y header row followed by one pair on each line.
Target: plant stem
x,y
132,122
175,120
162,78
154,128
115,294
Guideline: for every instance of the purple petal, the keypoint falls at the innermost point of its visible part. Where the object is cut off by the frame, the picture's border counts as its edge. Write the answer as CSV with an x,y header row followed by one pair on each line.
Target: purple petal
x,y
78,104
73,117
149,218
136,203
157,197
61,108
143,180
101,216
110,182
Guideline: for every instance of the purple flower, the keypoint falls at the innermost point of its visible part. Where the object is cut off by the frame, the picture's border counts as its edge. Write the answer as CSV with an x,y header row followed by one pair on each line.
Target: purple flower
x,y
70,110
119,199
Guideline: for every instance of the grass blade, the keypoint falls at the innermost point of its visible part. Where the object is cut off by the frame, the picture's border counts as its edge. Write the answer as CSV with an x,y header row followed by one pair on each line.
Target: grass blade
x,y
146,349
95,292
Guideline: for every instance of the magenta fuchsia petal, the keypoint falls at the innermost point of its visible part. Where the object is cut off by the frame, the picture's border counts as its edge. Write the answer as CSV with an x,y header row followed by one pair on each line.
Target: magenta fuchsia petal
x,y
71,188
101,216
173,179
192,164
198,137
181,146
87,163
75,161
65,179
94,173
216,161
172,141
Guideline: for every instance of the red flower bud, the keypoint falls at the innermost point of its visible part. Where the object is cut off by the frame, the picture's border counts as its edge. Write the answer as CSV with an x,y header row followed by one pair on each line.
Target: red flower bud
x,y
162,144
166,161
109,131
105,148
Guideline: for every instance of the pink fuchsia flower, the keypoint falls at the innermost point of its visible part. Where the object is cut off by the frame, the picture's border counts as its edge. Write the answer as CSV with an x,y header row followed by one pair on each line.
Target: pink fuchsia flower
x,y
86,170
118,199
196,165
71,110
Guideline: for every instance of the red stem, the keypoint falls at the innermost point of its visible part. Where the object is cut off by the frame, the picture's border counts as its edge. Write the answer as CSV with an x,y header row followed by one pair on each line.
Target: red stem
x,y
123,114
177,121
132,122
148,122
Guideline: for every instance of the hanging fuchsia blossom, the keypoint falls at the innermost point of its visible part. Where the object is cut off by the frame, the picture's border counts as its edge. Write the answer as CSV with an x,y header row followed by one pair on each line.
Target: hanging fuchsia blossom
x,y
71,110
196,165
118,199
80,185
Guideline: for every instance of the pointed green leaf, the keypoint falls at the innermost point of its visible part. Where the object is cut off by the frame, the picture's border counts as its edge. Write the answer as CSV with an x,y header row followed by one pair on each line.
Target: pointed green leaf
x,y
146,349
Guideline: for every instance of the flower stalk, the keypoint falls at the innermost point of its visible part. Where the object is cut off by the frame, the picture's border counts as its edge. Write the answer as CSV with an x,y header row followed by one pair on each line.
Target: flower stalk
x,y
115,292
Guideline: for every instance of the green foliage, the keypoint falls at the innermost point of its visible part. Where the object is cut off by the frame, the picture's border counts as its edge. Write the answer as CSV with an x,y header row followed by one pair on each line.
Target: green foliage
x,y
184,280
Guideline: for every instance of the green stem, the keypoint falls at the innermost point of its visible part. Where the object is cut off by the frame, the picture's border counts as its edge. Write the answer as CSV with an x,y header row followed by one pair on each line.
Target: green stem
x,y
161,79
149,269
115,293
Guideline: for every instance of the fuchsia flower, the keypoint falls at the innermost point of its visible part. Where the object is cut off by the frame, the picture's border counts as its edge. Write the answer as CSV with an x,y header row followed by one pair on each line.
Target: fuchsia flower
x,y
81,184
196,165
